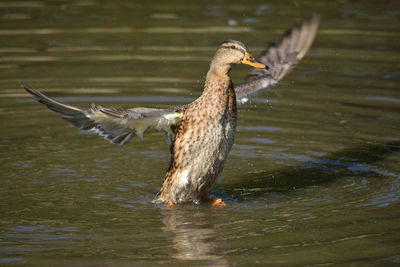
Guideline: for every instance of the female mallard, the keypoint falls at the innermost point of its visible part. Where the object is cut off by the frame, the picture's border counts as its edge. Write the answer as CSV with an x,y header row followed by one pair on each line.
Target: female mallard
x,y
200,134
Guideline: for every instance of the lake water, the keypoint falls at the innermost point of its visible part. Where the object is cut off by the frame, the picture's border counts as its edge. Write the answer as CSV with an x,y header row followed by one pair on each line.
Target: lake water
x,y
313,177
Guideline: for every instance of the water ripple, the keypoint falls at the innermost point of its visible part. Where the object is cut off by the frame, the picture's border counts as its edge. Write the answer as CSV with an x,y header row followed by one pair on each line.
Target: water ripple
x,y
167,30
384,98
150,99
21,4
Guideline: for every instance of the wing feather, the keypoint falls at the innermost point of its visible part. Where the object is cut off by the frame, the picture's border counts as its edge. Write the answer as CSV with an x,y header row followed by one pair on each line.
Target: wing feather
x,y
280,59
118,126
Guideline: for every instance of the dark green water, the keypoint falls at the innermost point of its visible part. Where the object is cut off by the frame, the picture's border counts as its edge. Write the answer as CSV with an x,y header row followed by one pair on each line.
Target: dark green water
x,y
313,177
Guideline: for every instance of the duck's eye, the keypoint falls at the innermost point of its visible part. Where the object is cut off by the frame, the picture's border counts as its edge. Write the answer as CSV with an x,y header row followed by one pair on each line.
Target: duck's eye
x,y
233,47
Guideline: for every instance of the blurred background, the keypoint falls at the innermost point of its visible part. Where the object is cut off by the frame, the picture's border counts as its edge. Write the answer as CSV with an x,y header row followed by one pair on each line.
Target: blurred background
x,y
313,176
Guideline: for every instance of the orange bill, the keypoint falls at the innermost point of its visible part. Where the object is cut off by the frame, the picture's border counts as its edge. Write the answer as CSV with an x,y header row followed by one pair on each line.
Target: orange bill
x,y
249,60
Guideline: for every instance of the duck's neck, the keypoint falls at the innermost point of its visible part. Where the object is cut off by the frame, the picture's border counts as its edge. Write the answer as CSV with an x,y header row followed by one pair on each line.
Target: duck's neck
x,y
217,77
219,68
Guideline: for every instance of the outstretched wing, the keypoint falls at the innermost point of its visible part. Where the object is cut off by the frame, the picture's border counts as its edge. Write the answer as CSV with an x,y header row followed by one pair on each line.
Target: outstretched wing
x,y
280,59
118,126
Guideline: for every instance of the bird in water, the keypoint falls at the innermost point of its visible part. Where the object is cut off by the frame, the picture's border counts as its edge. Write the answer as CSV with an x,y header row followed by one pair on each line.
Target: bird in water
x,y
199,134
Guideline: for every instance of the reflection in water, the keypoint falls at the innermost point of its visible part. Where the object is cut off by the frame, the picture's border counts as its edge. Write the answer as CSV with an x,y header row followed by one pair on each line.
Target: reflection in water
x,y
324,169
194,234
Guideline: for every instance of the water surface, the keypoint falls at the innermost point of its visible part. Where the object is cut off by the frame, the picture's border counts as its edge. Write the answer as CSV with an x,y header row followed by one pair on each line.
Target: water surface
x,y
314,174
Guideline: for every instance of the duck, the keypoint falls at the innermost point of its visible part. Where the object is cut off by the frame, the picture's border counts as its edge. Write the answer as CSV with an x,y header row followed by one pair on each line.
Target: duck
x,y
200,134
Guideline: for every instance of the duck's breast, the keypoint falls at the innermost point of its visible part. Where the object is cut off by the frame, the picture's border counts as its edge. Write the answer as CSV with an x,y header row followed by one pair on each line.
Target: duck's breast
x,y
202,145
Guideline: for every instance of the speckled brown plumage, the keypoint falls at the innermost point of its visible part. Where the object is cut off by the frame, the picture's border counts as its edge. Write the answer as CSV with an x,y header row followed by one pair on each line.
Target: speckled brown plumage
x,y
206,132
203,140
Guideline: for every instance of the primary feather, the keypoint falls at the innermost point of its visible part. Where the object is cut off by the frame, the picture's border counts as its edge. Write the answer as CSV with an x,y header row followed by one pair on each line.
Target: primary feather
x,y
118,126
280,58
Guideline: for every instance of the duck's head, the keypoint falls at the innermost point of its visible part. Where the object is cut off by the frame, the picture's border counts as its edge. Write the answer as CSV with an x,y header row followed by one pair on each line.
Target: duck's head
x,y
232,52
